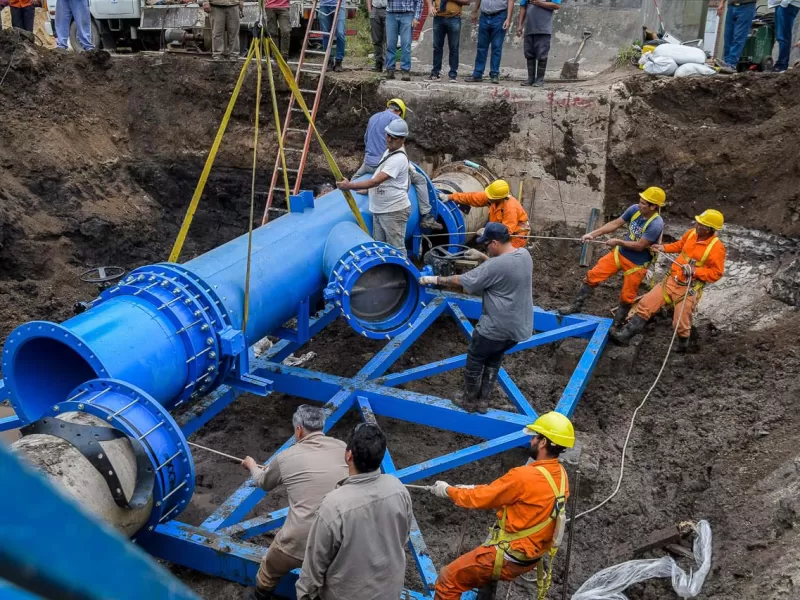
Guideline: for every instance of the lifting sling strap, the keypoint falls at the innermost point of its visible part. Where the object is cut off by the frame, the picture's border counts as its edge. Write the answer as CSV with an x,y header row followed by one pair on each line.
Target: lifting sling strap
x,y
632,237
501,539
697,288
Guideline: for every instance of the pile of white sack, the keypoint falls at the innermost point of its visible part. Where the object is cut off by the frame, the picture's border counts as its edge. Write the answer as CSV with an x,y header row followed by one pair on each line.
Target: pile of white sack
x,y
677,60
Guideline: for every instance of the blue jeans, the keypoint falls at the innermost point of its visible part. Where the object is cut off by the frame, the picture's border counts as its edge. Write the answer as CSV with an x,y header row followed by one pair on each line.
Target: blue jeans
x,y
738,22
325,18
784,23
490,31
449,27
66,11
398,23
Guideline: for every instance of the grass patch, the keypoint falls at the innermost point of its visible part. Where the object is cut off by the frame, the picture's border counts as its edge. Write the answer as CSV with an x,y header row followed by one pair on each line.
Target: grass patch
x,y
360,45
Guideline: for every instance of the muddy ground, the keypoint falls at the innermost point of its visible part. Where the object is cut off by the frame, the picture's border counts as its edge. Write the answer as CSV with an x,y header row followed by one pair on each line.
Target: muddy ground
x,y
99,157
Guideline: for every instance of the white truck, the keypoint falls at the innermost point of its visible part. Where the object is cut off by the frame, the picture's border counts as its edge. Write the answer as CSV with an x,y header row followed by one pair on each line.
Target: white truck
x,y
170,24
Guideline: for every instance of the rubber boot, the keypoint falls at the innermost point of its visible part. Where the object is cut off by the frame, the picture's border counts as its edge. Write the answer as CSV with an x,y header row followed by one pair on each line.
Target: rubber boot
x,y
487,592
541,67
473,371
624,336
426,221
578,302
683,345
337,66
531,72
487,387
621,313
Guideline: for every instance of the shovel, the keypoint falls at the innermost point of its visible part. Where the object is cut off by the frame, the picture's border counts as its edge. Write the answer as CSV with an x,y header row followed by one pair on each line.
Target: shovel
x,y
570,68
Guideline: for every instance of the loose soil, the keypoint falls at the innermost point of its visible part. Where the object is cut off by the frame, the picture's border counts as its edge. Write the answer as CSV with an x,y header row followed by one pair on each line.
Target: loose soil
x,y
99,157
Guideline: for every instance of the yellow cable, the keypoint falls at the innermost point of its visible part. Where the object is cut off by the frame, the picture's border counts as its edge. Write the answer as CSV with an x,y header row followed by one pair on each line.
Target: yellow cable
x,y
277,122
257,46
198,192
287,75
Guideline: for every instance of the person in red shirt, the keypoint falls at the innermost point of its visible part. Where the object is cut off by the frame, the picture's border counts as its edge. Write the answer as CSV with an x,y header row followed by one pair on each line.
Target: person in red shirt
x,y
701,261
278,24
529,501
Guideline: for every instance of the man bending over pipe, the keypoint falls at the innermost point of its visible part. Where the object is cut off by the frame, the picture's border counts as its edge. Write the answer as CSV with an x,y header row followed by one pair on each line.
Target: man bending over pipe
x,y
530,503
309,470
356,548
375,144
505,279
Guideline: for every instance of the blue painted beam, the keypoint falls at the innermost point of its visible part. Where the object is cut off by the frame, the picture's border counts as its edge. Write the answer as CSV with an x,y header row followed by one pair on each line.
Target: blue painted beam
x,y
304,383
583,371
248,495
8,423
455,459
81,557
205,409
253,527
419,550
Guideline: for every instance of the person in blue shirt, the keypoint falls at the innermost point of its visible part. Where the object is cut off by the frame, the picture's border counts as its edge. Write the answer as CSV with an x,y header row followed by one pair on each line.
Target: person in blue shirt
x,y
325,13
375,142
536,18
631,254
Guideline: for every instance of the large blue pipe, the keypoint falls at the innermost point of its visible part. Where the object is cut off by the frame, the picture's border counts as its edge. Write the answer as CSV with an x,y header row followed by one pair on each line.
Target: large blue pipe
x,y
171,330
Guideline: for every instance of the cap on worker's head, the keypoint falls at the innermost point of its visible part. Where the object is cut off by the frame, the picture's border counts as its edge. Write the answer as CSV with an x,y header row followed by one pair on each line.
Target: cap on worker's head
x,y
555,427
711,218
498,189
397,128
399,105
494,231
654,195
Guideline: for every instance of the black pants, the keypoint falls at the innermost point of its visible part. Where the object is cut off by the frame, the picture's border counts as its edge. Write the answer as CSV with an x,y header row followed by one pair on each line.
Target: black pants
x,y
22,18
483,352
537,46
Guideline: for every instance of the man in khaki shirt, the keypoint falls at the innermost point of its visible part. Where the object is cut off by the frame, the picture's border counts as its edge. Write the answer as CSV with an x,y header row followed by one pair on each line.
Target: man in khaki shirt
x,y
309,470
356,547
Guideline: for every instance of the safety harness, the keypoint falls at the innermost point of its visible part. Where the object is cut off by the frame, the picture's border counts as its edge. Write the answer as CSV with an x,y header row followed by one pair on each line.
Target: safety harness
x,y
632,237
501,539
697,287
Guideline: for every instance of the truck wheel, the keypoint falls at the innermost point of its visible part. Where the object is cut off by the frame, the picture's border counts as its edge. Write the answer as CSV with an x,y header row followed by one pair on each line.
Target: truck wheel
x,y
766,64
73,37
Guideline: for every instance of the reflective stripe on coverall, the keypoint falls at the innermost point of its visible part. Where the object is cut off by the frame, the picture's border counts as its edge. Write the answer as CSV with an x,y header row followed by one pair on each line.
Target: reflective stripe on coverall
x,y
509,212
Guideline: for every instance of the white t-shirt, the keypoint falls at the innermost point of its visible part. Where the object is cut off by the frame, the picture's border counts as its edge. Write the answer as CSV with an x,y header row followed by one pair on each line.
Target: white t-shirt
x,y
392,194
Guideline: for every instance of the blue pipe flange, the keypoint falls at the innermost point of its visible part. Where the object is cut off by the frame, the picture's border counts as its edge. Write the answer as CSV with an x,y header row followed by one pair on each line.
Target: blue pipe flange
x,y
453,220
196,314
375,287
133,412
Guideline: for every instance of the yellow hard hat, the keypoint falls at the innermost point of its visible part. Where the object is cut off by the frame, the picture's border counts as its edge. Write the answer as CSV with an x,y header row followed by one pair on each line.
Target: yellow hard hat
x,y
555,427
400,104
654,195
711,218
497,190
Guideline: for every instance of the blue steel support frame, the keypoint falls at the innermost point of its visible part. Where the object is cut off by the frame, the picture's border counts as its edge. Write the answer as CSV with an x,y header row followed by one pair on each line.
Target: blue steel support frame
x,y
219,545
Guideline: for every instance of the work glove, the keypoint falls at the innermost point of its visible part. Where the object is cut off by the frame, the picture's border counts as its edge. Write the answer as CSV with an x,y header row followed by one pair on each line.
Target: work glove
x,y
444,197
473,254
480,231
440,489
428,280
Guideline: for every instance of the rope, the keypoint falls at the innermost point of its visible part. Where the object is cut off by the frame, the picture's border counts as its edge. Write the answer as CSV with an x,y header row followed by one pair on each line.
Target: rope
x,y
236,458
638,408
212,155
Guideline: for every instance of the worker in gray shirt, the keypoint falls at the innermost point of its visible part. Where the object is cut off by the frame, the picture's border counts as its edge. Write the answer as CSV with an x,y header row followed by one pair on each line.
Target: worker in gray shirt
x,y
536,18
356,548
309,469
505,280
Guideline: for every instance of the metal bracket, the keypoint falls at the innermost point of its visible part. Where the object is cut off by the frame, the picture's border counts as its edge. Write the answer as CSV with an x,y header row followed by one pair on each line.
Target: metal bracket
x,y
86,439
242,379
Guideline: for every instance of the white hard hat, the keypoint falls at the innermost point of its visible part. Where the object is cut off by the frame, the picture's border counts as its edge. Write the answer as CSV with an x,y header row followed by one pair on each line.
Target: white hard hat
x,y
397,128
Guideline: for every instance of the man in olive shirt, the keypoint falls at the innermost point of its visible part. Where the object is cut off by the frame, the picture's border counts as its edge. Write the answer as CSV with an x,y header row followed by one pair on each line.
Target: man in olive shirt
x,y
356,548
309,470
505,280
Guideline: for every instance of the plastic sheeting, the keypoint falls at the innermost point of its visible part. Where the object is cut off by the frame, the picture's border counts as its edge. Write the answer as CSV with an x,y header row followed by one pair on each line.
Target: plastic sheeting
x,y
609,583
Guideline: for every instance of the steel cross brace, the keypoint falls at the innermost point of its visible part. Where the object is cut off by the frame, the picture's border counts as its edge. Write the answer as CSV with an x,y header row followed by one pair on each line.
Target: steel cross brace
x,y
219,546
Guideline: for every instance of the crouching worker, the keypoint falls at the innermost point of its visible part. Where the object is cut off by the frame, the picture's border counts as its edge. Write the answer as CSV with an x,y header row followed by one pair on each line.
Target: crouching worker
x,y
505,280
530,503
309,470
701,261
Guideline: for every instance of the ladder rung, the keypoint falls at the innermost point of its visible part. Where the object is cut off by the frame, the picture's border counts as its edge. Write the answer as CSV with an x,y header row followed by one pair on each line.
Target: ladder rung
x,y
289,170
322,52
308,91
295,109
320,32
295,130
278,210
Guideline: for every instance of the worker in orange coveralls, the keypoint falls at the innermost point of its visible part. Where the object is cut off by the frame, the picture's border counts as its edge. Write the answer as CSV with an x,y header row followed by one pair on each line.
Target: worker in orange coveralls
x,y
702,257
503,208
630,255
529,501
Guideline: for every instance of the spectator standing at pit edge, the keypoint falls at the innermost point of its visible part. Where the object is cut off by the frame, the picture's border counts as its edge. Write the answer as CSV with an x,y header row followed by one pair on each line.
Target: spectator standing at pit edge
x,y
401,18
377,24
738,21
278,24
325,12
536,18
785,14
225,18
495,19
446,23
66,11
23,13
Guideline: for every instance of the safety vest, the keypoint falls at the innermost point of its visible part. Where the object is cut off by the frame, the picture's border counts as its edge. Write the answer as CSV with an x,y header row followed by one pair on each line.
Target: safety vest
x,y
501,539
632,237
697,287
